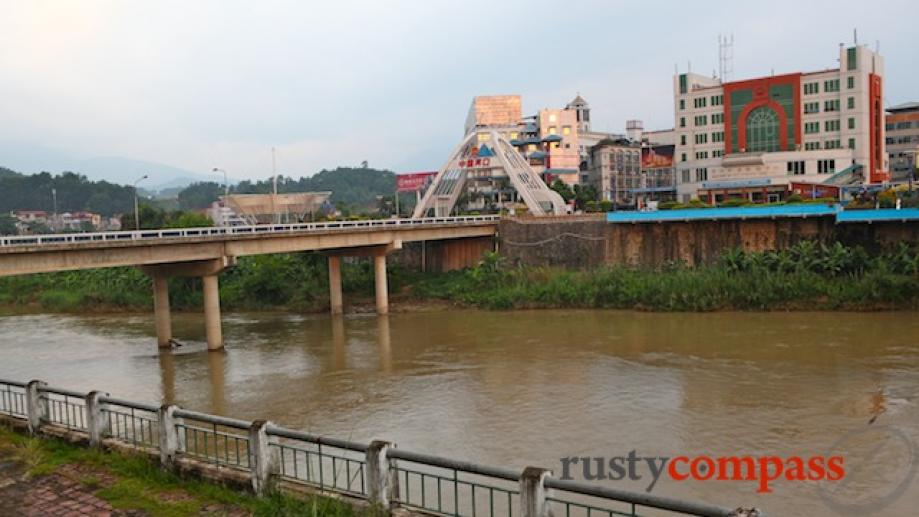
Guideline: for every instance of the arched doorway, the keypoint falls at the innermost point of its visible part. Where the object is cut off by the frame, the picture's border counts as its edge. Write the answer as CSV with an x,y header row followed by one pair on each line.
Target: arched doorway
x,y
762,130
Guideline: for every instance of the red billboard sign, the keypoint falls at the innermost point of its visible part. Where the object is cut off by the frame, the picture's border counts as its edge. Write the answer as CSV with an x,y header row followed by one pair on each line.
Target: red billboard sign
x,y
657,157
413,181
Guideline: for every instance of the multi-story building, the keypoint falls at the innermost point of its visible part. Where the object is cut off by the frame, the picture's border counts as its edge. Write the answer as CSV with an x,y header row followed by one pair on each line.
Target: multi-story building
x,y
903,139
754,138
616,169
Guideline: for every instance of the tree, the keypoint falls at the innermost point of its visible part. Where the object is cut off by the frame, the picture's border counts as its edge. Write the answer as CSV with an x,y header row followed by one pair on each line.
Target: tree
x,y
563,189
7,225
189,220
583,194
199,195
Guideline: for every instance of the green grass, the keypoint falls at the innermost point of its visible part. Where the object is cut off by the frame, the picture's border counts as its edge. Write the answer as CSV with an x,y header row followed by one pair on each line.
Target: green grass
x,y
142,485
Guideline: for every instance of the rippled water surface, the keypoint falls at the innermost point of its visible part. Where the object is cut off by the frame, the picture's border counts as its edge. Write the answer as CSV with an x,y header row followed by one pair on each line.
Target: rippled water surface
x,y
518,388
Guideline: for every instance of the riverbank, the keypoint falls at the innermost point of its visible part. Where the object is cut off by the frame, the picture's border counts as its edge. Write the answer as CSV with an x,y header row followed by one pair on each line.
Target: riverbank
x,y
51,477
807,276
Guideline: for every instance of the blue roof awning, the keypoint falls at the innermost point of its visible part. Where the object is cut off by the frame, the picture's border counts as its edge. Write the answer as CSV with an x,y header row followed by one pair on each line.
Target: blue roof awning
x,y
755,182
552,138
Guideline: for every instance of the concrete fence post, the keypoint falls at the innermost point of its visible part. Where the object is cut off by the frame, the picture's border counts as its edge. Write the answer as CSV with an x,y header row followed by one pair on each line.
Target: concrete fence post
x,y
382,480
95,418
169,435
263,460
533,493
36,405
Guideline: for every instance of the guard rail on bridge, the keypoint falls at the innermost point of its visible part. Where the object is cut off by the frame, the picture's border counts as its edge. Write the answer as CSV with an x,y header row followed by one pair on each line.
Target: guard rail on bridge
x,y
377,472
191,233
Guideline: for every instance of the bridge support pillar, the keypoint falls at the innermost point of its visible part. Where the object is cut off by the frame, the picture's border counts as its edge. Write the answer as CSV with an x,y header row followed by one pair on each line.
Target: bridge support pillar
x,y
212,313
161,311
379,269
335,303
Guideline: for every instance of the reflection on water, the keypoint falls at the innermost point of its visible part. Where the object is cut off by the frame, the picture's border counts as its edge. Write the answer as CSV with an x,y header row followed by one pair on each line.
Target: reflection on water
x,y
523,387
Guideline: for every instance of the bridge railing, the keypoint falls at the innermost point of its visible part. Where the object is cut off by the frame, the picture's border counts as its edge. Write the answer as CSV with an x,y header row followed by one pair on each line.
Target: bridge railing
x,y
191,233
377,472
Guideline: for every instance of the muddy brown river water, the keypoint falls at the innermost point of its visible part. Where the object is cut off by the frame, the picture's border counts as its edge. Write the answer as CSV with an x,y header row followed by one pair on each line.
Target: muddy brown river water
x,y
531,387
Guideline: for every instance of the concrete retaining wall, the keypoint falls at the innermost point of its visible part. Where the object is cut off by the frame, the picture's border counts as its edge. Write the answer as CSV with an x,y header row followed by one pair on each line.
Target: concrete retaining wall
x,y
591,242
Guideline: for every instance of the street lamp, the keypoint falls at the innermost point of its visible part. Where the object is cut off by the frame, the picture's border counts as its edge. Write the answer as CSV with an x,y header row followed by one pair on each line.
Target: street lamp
x,y
136,211
226,183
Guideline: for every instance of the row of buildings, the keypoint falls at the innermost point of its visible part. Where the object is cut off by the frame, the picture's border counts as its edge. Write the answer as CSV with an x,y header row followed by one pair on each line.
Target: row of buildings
x,y
819,133
40,221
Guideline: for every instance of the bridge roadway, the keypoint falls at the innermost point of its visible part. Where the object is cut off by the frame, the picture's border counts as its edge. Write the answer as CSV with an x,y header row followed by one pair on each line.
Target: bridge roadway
x,y
205,252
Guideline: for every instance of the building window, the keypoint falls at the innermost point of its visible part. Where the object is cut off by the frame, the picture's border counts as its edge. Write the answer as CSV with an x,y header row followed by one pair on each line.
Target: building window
x,y
811,127
812,146
826,166
717,100
811,107
851,103
831,86
682,104
717,118
832,144
683,157
831,125
832,105
682,121
684,175
851,58
682,139
702,155
718,136
811,88
702,138
851,123
701,120
484,137
796,168
702,174
566,130
851,143
850,82
699,102
551,130
762,130
717,153
552,117
514,135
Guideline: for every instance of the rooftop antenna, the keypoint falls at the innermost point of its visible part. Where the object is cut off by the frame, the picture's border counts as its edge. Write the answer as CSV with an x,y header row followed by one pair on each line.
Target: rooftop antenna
x,y
855,37
689,67
725,57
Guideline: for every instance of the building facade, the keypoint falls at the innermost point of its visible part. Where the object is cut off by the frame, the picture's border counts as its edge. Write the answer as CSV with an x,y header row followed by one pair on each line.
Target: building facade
x,y
903,140
753,138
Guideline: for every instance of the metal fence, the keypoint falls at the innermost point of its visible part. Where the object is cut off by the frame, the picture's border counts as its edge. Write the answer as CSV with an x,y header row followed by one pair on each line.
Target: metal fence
x,y
197,233
378,472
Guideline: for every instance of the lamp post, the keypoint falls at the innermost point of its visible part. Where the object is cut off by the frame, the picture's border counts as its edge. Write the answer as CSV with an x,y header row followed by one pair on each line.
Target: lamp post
x,y
226,183
136,210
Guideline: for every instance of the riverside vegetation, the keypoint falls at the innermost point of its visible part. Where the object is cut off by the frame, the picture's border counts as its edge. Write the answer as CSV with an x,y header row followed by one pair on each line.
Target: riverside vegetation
x,y
808,276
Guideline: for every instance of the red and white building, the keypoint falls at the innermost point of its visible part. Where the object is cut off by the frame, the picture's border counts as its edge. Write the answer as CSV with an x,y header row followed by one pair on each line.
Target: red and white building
x,y
755,138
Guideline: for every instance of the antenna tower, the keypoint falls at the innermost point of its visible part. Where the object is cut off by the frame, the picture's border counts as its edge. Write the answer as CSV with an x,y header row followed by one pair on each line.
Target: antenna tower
x,y
725,57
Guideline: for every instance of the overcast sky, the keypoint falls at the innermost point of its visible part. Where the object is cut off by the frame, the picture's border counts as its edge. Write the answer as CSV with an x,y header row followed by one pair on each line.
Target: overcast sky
x,y
203,84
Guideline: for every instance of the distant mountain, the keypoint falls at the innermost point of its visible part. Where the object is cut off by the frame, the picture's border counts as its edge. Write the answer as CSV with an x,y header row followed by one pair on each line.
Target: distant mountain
x,y
30,158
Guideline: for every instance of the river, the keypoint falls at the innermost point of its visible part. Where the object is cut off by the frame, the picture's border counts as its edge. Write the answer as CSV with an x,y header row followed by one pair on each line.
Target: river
x,y
530,387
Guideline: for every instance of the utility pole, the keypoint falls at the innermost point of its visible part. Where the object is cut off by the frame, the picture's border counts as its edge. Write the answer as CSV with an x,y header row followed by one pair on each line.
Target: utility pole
x,y
54,198
274,195
136,207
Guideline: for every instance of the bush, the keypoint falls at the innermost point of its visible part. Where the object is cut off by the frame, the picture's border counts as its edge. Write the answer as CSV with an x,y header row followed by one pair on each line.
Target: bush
x,y
669,205
794,198
734,202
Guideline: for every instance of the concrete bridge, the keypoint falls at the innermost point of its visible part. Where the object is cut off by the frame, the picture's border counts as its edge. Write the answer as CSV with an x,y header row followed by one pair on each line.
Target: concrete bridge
x,y
205,252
